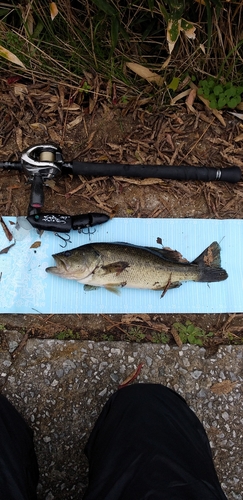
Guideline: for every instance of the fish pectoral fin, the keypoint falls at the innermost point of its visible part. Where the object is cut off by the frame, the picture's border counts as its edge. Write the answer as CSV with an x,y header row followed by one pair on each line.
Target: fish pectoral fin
x,y
169,254
115,267
89,288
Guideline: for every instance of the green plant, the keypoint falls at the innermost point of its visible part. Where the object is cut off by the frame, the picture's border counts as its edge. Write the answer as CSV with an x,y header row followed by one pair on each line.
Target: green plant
x,y
136,334
67,335
189,333
106,337
159,337
87,38
220,95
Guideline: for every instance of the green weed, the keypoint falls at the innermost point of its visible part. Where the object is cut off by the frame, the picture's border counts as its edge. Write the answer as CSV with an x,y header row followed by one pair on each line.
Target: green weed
x,y
189,333
67,335
135,334
220,95
106,337
98,37
159,337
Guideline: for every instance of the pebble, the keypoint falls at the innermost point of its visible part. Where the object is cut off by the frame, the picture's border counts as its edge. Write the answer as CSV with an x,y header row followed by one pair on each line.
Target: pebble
x,y
60,388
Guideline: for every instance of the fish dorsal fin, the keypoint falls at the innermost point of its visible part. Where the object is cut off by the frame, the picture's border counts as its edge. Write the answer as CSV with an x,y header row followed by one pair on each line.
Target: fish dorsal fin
x,y
210,256
168,254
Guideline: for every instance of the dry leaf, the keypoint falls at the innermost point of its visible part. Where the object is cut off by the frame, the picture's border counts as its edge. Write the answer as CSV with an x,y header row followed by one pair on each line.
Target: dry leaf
x,y
10,57
37,244
55,137
53,10
146,73
238,138
238,115
52,184
131,318
140,182
180,96
39,127
166,63
223,387
176,337
19,138
131,377
202,48
20,89
75,122
72,107
191,97
8,235
5,250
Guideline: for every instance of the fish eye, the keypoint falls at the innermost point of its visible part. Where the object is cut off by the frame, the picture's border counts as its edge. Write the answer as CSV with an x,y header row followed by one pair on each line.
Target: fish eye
x,y
67,253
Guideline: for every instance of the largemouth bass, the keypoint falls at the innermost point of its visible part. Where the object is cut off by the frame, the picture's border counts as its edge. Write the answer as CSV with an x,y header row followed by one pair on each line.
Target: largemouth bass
x,y
114,265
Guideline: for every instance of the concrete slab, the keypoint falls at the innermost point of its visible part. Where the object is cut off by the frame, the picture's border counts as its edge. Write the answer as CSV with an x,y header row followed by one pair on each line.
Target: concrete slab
x,y
61,386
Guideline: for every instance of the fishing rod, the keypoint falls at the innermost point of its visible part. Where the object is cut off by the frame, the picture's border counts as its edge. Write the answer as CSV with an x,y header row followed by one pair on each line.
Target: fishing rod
x,y
44,161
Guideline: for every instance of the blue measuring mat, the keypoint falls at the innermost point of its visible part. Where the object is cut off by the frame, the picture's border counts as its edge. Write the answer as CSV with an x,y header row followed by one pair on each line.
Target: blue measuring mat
x,y
25,287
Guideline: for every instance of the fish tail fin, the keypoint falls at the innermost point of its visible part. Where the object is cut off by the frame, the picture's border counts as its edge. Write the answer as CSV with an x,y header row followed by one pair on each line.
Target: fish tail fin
x,y
209,263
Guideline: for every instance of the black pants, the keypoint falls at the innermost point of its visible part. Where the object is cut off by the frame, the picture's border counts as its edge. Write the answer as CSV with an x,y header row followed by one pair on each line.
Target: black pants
x,y
18,465
146,444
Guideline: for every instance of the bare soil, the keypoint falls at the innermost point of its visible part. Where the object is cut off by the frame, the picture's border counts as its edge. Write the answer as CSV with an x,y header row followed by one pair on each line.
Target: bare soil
x,y
97,129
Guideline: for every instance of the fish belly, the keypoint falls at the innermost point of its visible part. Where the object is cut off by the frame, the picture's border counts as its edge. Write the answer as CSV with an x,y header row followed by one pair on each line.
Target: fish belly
x,y
141,277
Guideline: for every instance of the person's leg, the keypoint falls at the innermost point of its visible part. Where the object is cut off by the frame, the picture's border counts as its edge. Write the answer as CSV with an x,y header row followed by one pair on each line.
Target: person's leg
x,y
18,464
148,444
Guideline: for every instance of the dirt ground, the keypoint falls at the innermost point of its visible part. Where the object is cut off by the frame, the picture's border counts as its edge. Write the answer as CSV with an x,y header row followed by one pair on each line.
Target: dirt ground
x,y
97,128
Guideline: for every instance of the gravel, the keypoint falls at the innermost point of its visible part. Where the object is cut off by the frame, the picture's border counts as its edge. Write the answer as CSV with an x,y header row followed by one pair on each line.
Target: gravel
x,y
61,386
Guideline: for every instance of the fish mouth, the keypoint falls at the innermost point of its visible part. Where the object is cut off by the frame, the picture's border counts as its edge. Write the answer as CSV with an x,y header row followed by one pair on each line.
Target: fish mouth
x,y
60,268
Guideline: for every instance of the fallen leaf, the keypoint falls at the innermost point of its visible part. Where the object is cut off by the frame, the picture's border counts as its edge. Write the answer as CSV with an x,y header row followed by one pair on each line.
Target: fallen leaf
x,y
185,93
131,377
176,337
131,318
20,89
202,48
238,115
191,97
145,73
75,122
53,10
238,138
39,127
19,138
166,63
8,234
10,57
37,244
52,184
5,250
223,387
